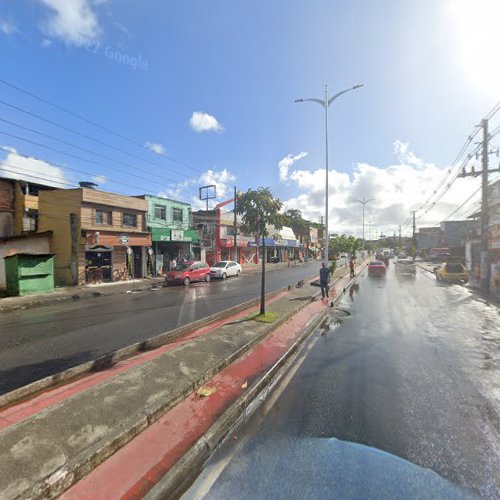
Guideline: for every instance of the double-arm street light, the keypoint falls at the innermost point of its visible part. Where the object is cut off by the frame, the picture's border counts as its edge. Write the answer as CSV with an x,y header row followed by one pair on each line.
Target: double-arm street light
x,y
364,202
326,102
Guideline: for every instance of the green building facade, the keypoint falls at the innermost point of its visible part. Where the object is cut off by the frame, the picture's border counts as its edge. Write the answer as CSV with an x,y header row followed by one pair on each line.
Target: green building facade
x,y
172,234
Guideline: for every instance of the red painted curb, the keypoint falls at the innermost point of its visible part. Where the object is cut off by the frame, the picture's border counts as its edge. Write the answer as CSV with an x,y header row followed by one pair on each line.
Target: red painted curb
x,y
133,470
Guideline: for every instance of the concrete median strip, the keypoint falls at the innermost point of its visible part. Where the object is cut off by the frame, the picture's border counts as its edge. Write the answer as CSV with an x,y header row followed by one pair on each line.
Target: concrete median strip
x,y
46,453
110,359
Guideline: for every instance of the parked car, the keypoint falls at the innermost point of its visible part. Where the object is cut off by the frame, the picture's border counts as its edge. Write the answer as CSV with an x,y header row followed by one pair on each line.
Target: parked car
x,y
225,268
452,272
406,267
188,272
376,268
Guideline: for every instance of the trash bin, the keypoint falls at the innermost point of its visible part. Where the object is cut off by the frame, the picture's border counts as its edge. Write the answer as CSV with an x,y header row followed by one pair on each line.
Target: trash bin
x,y
27,273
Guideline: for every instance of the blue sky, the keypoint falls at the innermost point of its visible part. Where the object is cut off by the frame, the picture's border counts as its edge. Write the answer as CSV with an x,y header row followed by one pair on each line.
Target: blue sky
x,y
143,68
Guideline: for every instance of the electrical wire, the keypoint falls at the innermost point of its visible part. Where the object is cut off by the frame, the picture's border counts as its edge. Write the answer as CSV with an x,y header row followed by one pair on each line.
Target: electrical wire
x,y
134,167
93,123
87,160
63,127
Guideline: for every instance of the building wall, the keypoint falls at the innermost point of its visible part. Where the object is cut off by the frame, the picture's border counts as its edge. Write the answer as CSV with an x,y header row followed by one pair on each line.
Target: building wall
x,y
169,205
454,233
55,208
30,243
24,202
6,208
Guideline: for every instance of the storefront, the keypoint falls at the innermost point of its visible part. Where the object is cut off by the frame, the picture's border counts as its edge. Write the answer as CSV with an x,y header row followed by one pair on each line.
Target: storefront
x,y
169,244
247,249
281,250
112,256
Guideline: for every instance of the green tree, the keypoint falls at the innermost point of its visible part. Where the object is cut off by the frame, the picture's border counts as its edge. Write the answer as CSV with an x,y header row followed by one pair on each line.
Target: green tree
x,y
258,209
293,218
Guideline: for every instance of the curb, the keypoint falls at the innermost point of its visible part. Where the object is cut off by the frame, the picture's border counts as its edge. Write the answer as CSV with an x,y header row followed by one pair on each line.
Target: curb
x,y
184,472
80,294
82,464
108,360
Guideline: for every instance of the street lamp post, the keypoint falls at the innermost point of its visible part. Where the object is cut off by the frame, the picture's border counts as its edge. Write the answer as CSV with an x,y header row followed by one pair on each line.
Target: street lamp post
x,y
364,202
326,102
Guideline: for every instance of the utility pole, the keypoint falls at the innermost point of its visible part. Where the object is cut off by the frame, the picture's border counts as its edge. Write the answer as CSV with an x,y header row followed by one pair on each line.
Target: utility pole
x,y
235,227
73,259
400,237
324,237
414,238
484,263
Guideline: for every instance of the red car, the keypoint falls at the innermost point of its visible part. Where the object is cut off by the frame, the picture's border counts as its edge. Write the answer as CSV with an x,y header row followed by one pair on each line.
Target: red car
x,y
186,273
376,268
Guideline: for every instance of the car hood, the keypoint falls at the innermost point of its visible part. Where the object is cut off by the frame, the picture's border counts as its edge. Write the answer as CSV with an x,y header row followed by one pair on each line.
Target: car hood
x,y
331,468
176,274
218,268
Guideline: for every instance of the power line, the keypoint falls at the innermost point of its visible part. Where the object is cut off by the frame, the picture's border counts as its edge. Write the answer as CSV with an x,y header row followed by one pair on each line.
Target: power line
x,y
63,127
464,203
86,150
79,158
95,124
65,167
29,173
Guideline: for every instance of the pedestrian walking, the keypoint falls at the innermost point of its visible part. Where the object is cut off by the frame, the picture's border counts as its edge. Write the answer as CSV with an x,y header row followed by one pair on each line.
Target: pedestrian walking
x,y
324,278
173,264
351,265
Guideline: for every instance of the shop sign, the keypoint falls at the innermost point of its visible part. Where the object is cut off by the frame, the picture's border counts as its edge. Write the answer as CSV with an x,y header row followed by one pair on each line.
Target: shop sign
x,y
177,235
123,239
268,241
292,243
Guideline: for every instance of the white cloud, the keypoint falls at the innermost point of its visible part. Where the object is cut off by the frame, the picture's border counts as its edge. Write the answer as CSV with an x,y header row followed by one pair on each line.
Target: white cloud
x,y
286,163
188,190
14,166
203,122
156,148
73,21
46,43
397,190
100,179
8,27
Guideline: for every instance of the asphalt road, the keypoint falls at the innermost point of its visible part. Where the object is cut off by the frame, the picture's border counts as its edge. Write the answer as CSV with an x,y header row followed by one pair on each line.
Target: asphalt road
x,y
35,343
412,370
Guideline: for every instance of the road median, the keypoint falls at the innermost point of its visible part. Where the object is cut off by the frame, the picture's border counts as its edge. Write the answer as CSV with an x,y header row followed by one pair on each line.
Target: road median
x,y
44,454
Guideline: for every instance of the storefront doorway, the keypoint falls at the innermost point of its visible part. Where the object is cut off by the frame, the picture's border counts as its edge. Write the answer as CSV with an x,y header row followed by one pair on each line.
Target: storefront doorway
x,y
137,251
98,265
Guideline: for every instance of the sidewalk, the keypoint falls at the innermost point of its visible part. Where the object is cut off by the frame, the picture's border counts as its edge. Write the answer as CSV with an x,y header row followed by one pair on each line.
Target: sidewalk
x,y
101,290
49,443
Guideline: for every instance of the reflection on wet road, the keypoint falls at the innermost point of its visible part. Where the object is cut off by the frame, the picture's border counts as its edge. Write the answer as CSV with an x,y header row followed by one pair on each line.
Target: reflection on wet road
x,y
407,366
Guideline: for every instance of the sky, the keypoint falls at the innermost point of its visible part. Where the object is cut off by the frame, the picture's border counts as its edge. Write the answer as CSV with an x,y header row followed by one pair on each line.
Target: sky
x,y
158,97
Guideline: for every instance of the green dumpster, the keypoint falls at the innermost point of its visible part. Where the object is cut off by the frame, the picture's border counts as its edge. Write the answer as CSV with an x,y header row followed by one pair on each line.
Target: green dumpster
x,y
28,273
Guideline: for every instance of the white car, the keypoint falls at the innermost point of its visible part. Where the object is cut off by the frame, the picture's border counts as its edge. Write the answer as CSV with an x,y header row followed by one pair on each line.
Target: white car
x,y
225,268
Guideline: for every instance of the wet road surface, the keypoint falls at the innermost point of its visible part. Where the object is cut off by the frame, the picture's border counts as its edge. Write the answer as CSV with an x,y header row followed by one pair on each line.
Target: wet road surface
x,y
35,343
411,368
